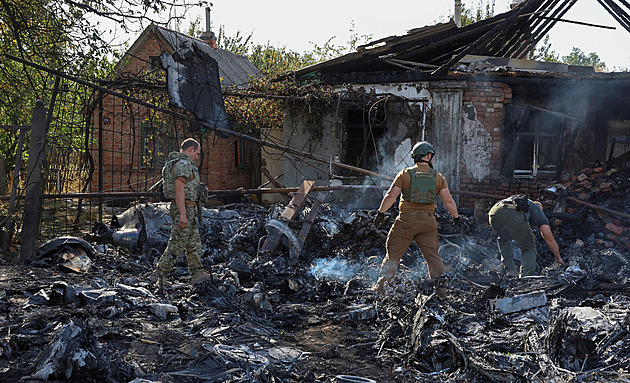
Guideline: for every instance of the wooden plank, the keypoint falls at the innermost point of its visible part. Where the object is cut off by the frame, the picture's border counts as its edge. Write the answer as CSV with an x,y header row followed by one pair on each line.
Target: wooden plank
x,y
298,200
275,183
310,220
271,178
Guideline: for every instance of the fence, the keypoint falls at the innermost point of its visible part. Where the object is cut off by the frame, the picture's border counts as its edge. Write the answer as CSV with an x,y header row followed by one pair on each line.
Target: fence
x,y
87,154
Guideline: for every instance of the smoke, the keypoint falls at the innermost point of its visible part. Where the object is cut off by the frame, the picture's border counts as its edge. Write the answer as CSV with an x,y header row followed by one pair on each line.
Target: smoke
x,y
335,268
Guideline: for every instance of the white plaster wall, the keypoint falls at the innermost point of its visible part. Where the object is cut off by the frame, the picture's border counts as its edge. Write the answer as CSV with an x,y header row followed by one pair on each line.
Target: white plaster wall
x,y
402,156
412,91
476,143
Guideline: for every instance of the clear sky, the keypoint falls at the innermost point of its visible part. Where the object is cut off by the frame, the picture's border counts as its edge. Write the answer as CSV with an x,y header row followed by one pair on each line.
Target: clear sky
x,y
296,25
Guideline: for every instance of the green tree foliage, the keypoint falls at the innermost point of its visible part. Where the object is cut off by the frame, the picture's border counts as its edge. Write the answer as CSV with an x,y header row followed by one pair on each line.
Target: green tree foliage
x,y
64,35
484,9
577,57
543,52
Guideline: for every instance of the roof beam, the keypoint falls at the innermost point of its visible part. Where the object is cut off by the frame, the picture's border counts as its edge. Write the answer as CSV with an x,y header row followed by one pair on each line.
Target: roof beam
x,y
619,14
489,36
543,29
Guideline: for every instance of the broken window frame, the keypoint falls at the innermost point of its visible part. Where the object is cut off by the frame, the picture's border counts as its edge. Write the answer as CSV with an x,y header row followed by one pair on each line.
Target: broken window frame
x,y
527,125
535,170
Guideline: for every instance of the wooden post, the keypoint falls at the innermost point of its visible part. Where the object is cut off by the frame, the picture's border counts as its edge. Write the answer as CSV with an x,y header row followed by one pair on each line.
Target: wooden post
x,y
37,152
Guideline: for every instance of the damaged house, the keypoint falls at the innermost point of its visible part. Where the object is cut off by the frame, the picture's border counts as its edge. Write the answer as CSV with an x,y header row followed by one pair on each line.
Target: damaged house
x,y
132,141
500,122
295,304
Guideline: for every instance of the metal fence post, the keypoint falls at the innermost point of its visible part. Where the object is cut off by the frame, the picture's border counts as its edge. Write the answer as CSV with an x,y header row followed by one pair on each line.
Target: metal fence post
x,y
37,152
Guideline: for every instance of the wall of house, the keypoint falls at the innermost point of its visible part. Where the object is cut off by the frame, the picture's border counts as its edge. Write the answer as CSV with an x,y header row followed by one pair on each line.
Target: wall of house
x,y
272,160
124,166
463,120
482,128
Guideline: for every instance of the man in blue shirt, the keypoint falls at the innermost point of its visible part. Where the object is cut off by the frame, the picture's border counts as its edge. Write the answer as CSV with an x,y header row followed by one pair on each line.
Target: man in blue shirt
x,y
512,220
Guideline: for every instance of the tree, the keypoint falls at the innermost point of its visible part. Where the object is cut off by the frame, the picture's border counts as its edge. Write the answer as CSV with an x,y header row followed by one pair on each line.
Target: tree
x,y
577,57
543,52
483,10
64,35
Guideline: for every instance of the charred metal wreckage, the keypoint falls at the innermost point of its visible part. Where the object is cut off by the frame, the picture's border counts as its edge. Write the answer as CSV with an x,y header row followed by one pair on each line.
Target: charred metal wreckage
x,y
283,313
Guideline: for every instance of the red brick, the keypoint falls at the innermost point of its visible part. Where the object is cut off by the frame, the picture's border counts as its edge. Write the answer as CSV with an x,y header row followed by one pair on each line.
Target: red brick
x,y
617,230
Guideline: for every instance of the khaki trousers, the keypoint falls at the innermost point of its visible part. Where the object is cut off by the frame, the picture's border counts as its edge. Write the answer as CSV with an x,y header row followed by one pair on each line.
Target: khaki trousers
x,y
408,227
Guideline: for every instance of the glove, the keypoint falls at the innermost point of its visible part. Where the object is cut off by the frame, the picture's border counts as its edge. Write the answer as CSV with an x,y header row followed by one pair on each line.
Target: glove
x,y
461,224
378,220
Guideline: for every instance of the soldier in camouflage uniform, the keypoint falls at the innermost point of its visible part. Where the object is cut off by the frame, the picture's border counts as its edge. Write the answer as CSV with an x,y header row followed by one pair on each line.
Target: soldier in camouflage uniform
x,y
420,186
181,183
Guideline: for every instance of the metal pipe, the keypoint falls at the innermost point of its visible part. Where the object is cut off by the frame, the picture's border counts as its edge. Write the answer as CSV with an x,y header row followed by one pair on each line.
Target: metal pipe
x,y
458,13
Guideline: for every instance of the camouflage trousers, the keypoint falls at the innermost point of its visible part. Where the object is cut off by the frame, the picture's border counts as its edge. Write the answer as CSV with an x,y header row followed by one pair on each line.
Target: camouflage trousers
x,y
181,240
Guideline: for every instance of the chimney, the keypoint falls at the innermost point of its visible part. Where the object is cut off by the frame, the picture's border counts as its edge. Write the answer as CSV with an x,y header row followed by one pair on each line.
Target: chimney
x,y
208,36
458,13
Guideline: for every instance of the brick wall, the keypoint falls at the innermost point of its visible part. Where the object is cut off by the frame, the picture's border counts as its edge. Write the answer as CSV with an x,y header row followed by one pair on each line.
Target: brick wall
x,y
123,167
489,98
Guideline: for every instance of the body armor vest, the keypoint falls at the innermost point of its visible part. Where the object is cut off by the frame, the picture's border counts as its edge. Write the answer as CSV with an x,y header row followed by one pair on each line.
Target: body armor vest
x,y
422,188
168,180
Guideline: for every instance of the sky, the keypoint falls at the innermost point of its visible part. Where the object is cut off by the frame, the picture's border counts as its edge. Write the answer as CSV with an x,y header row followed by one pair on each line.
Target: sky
x,y
299,25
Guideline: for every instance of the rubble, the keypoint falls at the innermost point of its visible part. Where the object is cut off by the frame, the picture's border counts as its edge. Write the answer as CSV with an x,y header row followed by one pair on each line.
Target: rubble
x,y
310,316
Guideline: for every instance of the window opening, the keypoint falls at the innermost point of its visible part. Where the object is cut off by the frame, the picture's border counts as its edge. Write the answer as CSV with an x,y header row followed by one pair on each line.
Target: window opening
x,y
363,137
240,153
155,63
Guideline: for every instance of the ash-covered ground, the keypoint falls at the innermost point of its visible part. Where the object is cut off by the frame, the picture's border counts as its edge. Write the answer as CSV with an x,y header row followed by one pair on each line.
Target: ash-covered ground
x,y
88,309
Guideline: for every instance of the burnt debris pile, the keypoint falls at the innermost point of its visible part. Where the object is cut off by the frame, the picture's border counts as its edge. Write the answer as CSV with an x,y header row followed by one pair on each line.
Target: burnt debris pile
x,y
290,301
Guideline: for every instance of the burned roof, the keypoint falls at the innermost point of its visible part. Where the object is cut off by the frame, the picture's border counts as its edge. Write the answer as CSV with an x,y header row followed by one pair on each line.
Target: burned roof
x,y
433,50
234,69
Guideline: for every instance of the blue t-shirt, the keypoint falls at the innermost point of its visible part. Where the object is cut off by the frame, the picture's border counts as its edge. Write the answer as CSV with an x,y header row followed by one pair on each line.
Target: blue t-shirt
x,y
535,215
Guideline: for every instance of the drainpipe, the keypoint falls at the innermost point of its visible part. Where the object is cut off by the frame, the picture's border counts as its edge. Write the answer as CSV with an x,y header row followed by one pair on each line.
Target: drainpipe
x,y
458,13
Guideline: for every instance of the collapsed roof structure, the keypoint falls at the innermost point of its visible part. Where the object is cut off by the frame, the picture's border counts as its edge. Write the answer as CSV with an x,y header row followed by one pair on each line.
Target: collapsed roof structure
x,y
437,48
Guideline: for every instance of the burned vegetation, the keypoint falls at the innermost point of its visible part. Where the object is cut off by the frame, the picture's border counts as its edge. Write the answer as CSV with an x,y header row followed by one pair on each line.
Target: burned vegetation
x,y
87,309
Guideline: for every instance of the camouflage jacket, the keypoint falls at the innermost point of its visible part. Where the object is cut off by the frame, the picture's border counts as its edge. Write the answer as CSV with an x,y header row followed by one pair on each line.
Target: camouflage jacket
x,y
180,165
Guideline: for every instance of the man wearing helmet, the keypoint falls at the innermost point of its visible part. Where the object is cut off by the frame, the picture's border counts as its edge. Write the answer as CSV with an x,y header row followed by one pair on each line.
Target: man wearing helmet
x,y
420,186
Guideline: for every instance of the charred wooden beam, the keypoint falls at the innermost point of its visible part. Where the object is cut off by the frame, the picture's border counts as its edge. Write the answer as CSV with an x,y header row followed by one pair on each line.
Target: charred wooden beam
x,y
539,31
590,205
489,36
622,17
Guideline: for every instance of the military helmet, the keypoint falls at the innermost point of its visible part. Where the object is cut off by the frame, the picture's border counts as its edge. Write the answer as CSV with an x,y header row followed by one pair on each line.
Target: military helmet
x,y
421,149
